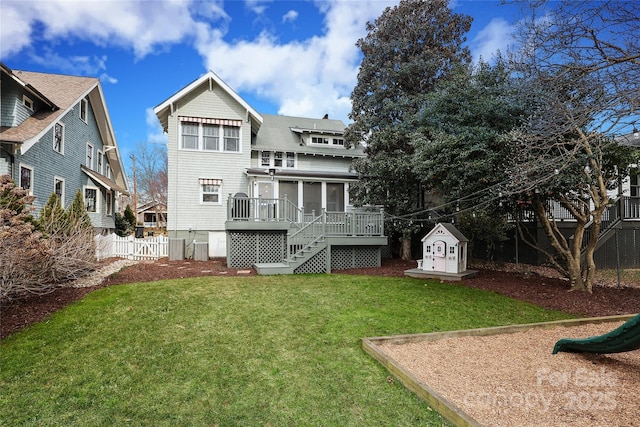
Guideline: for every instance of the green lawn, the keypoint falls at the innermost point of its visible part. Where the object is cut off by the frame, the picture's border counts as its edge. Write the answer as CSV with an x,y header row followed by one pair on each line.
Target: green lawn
x,y
265,350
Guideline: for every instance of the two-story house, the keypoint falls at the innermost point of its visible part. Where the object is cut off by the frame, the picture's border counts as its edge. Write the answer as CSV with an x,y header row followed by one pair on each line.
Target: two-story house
x,y
267,191
56,137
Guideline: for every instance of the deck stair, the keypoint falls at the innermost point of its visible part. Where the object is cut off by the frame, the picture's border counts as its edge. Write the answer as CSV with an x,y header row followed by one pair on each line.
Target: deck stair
x,y
304,241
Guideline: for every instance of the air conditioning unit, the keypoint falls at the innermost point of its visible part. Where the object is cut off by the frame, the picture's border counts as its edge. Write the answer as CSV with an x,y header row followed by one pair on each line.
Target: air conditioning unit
x,y
200,251
176,249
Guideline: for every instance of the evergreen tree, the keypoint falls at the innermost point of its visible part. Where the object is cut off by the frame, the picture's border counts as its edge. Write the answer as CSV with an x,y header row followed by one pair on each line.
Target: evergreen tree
x,y
407,50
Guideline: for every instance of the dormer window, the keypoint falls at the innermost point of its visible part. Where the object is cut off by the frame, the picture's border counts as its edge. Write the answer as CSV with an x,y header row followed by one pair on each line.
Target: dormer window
x,y
27,102
327,141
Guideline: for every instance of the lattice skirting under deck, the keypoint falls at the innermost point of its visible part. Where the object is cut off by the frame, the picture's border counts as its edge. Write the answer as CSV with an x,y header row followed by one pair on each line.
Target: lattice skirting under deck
x,y
247,248
344,257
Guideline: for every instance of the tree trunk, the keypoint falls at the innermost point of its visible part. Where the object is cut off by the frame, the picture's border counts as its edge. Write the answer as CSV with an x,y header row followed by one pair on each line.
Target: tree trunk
x,y
569,251
405,246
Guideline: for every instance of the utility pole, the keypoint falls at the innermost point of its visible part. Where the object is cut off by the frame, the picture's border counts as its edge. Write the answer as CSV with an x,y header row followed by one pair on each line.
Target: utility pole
x,y
135,192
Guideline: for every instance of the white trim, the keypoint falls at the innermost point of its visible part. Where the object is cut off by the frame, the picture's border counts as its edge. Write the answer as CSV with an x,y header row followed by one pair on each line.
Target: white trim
x,y
100,162
210,181
27,102
109,201
208,77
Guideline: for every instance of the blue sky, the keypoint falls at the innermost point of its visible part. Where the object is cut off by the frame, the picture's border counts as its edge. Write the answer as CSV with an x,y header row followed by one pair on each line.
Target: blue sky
x,y
283,57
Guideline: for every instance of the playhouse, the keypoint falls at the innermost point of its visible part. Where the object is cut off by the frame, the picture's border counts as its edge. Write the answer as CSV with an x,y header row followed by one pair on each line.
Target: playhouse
x,y
444,254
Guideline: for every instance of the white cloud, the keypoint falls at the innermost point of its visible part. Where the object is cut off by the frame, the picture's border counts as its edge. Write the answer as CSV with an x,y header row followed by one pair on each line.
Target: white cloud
x,y
302,77
305,78
154,130
290,16
496,36
138,25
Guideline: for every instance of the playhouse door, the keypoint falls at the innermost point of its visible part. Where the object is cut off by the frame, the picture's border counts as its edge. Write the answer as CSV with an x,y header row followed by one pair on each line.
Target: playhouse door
x,y
439,256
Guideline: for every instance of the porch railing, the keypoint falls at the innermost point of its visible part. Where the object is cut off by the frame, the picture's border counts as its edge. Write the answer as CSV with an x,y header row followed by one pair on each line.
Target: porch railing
x,y
241,208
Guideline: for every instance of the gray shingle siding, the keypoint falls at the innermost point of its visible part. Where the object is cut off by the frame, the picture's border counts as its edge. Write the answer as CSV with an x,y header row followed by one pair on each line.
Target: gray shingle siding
x,y
48,164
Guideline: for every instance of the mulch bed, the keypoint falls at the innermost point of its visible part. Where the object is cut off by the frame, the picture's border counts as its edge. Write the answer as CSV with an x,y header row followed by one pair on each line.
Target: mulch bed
x,y
547,292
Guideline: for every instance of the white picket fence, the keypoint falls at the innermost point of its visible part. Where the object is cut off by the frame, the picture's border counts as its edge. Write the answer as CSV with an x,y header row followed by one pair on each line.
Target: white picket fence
x,y
129,247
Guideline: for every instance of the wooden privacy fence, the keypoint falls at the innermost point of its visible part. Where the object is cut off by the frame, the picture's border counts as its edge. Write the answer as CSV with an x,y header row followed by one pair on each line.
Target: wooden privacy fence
x,y
131,248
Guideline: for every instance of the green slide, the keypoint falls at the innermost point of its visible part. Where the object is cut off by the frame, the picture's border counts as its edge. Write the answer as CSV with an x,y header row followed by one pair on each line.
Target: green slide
x,y
626,337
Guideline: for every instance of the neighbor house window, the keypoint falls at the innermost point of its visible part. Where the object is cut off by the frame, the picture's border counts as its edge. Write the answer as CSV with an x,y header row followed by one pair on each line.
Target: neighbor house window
x,y
338,141
58,138
89,160
108,203
84,104
58,189
26,178
210,191
319,140
99,160
90,199
207,134
27,102
108,172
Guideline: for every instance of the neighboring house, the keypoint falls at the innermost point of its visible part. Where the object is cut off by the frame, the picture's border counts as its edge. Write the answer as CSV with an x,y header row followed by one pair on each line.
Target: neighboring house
x,y
152,215
56,137
263,189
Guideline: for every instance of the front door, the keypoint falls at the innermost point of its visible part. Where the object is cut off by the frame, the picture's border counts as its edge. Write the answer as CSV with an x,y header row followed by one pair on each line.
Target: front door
x,y
439,256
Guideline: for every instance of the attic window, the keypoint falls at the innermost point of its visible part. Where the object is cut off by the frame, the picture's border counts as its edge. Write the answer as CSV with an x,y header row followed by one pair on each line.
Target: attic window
x,y
27,102
83,109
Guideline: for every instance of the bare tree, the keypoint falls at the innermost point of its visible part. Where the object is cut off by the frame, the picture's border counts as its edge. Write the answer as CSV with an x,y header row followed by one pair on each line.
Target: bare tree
x,y
579,63
151,175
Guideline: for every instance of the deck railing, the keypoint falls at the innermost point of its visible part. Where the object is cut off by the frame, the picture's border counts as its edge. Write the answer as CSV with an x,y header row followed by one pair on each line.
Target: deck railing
x,y
241,208
355,223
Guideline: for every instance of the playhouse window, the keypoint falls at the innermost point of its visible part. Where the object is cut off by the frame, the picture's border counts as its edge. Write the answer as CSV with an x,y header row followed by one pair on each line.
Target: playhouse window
x,y
452,250
428,248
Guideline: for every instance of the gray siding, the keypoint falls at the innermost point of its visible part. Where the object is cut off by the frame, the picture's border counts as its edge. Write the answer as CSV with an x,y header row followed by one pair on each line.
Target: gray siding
x,y
48,164
184,210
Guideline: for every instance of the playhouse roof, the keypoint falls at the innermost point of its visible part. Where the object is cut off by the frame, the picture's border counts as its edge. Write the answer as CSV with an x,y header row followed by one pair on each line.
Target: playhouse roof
x,y
450,228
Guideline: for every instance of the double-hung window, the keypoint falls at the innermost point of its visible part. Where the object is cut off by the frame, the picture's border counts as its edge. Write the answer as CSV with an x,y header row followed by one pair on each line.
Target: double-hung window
x,y
210,137
205,134
26,178
89,160
210,191
265,158
99,158
189,136
58,138
58,189
231,138
277,159
84,104
90,199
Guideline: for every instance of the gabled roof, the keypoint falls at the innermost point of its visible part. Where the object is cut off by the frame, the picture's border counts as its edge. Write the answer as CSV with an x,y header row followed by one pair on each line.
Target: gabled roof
x,y
282,133
165,109
450,228
59,91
